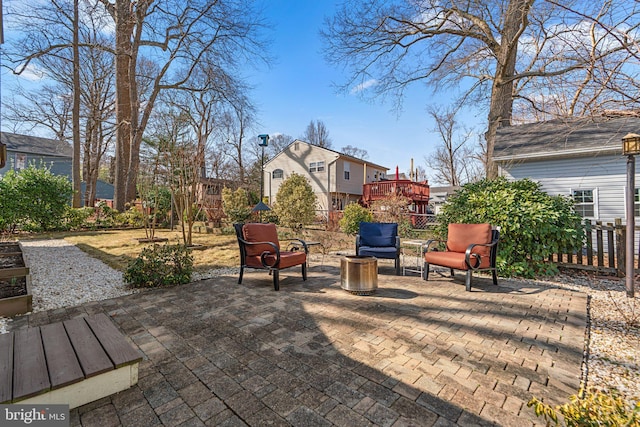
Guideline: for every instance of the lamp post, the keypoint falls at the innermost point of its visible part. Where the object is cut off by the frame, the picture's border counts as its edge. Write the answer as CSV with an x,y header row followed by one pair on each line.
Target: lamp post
x,y
261,206
630,147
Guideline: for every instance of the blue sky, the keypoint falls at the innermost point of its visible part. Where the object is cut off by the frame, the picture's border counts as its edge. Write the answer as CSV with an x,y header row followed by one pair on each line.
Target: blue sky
x,y
298,88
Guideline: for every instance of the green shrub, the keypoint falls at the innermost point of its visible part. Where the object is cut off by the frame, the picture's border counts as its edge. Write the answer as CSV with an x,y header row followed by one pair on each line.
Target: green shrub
x,y
352,216
77,218
235,205
533,224
160,265
595,409
34,199
295,202
132,217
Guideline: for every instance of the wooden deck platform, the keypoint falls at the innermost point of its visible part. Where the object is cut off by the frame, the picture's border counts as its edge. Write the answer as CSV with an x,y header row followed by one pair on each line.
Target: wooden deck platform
x,y
73,362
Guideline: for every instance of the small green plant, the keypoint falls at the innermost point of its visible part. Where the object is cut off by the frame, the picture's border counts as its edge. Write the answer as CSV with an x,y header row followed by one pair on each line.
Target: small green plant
x,y
77,218
595,409
160,265
353,215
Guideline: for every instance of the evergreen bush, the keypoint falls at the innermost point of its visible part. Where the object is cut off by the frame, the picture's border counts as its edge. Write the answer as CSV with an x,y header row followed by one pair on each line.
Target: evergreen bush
x,y
533,225
235,204
295,202
353,214
34,199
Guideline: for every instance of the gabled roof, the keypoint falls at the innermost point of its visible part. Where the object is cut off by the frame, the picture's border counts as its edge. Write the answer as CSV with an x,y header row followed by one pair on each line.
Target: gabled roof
x,y
337,153
564,137
36,145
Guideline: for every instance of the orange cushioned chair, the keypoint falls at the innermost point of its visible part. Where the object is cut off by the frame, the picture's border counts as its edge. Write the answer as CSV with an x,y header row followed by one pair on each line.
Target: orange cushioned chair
x,y
469,247
260,248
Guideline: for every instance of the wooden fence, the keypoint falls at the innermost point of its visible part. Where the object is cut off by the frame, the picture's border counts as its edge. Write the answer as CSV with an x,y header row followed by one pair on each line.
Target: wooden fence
x,y
604,250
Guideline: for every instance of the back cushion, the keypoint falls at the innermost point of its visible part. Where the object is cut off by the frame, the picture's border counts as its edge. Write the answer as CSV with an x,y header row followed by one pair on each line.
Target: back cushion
x,y
460,236
378,233
257,232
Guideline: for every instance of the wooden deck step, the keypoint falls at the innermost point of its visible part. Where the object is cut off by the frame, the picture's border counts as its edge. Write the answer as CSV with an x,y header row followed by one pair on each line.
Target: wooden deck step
x,y
73,362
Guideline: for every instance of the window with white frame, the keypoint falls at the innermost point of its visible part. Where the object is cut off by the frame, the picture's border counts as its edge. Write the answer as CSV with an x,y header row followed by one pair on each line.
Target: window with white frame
x,y
347,171
584,203
636,202
277,174
316,166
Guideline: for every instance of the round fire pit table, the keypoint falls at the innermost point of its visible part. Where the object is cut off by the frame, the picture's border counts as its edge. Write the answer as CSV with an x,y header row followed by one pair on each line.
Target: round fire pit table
x,y
359,274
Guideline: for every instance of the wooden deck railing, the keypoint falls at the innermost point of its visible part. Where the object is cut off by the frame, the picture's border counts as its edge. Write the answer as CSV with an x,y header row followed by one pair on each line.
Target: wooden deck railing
x,y
417,191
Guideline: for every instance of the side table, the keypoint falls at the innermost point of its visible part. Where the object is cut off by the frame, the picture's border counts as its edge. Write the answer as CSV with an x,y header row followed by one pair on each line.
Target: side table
x,y
412,256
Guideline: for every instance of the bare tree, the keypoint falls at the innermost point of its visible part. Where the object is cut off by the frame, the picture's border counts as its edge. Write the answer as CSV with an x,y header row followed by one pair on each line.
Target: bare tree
x,y
496,48
63,50
317,134
183,34
48,107
359,153
277,143
454,157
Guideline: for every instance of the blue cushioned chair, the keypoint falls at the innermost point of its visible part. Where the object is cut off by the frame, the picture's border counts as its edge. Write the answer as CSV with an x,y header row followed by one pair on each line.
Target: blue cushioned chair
x,y
379,239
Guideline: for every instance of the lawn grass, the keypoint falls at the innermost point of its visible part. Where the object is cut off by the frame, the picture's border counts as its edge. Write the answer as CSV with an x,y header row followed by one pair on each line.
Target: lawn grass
x,y
117,248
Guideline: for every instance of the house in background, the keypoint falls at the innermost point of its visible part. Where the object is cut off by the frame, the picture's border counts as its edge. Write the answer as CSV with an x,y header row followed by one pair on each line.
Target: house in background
x,y
337,179
23,150
580,157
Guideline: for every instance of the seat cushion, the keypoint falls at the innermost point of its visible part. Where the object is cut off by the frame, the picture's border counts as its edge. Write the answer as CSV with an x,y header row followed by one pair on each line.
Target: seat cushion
x,y
378,234
287,259
460,236
386,252
258,232
453,260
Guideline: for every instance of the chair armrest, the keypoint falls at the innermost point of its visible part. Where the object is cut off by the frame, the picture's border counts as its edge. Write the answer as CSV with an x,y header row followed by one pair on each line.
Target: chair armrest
x,y
398,244
264,254
477,257
430,242
293,247
357,243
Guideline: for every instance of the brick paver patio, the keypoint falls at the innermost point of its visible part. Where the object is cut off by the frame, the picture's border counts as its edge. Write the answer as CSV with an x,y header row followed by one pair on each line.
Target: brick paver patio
x,y
415,353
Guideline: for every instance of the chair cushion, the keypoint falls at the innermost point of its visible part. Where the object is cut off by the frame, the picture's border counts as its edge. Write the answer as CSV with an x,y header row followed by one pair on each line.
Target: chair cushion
x,y
258,232
287,259
453,260
460,236
378,234
386,252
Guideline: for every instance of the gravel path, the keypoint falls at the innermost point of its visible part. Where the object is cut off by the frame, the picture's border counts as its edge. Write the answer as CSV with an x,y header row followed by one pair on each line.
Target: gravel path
x,y
65,276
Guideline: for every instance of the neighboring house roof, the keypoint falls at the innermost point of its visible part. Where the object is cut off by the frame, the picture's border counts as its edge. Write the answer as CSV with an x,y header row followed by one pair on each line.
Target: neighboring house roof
x,y
440,194
564,137
36,145
339,154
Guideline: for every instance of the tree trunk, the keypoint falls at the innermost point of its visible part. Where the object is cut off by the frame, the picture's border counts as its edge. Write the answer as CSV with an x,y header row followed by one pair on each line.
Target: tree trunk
x,y
123,102
75,167
501,106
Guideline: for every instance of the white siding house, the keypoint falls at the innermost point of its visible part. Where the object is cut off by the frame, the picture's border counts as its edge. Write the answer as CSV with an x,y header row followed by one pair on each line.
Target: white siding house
x,y
581,158
336,178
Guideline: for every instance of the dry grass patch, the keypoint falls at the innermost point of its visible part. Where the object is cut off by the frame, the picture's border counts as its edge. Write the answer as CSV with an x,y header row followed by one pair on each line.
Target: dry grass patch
x,y
118,247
